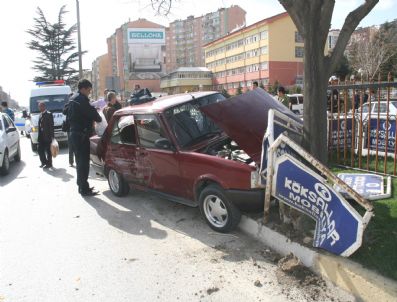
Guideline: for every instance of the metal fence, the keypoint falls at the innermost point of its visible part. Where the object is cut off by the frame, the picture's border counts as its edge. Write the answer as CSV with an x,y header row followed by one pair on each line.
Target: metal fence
x,y
362,125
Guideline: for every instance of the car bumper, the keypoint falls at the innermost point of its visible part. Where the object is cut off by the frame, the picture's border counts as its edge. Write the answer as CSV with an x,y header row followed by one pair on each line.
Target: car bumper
x,y
247,200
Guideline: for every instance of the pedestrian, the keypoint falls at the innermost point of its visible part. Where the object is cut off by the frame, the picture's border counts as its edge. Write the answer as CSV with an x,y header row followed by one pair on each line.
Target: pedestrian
x,y
66,128
81,117
117,105
110,109
45,137
282,97
7,110
255,85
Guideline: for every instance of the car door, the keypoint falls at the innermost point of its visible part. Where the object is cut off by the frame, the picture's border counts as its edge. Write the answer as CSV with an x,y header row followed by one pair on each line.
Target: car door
x,y
121,148
12,137
157,166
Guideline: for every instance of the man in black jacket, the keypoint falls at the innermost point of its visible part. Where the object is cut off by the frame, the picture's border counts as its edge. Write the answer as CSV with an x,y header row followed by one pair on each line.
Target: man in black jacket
x,y
46,134
81,116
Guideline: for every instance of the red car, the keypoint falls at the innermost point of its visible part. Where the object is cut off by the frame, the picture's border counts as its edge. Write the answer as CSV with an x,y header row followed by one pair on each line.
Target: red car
x,y
198,149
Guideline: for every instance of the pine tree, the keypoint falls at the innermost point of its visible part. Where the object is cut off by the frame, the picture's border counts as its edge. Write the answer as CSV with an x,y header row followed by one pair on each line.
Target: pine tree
x,y
55,45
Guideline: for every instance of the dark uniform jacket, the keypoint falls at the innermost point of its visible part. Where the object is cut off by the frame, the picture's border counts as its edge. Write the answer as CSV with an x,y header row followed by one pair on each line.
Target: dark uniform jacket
x,y
81,114
46,127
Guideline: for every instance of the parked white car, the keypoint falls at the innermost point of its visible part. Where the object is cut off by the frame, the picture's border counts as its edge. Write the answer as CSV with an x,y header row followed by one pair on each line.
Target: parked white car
x,y
9,143
296,101
381,108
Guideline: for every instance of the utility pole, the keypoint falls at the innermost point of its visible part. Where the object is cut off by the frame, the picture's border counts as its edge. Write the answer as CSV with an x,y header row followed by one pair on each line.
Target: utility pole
x,y
79,40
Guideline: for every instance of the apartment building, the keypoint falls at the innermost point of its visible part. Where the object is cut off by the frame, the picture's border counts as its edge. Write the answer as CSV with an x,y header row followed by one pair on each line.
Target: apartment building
x,y
100,70
187,79
185,38
268,51
136,55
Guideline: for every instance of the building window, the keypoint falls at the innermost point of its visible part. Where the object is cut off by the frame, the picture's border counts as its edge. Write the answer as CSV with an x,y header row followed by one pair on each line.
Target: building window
x,y
265,81
264,35
264,50
264,65
299,52
298,37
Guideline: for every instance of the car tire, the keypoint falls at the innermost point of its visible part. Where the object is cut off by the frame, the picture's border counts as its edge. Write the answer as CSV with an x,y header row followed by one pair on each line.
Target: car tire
x,y
219,213
5,167
117,184
34,146
17,156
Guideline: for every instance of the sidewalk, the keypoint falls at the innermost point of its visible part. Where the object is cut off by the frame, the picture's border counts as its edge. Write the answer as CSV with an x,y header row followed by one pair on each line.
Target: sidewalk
x,y
361,282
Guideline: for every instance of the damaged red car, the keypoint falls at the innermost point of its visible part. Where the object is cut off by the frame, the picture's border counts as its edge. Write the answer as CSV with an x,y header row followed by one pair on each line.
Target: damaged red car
x,y
198,149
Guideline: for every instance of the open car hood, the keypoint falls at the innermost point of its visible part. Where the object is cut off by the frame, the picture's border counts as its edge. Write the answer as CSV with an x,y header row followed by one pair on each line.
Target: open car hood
x,y
244,118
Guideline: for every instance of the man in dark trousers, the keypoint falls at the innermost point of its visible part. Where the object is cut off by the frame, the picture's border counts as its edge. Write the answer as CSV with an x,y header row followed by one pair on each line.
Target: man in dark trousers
x,y
46,135
81,116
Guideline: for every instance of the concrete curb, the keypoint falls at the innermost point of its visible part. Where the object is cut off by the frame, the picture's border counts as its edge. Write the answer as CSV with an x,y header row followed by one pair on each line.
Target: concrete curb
x,y
354,278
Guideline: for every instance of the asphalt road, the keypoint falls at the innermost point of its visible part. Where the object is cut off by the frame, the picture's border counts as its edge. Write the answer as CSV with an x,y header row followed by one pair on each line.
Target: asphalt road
x,y
57,246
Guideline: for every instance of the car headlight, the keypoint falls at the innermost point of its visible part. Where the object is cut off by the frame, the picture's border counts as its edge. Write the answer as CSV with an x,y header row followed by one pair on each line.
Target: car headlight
x,y
35,129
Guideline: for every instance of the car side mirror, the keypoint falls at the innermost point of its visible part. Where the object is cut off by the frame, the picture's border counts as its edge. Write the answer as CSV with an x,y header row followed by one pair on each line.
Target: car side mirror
x,y
11,129
163,143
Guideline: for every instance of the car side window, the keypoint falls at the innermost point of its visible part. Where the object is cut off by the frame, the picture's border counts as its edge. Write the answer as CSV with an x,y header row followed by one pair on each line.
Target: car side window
x,y
149,130
6,124
383,108
123,131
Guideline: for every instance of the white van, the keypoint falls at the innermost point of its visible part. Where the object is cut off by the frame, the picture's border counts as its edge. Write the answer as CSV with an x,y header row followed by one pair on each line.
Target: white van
x,y
296,101
55,94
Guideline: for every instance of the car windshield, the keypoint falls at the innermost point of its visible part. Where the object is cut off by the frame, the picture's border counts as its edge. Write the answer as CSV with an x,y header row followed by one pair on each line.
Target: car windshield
x,y
189,125
53,103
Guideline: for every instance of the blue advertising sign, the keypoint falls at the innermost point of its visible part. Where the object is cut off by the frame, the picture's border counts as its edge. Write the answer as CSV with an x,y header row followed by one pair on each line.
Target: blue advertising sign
x,y
367,185
344,133
378,138
338,226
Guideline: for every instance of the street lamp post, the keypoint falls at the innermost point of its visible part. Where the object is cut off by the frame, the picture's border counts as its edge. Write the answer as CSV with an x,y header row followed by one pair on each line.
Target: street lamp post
x,y
79,40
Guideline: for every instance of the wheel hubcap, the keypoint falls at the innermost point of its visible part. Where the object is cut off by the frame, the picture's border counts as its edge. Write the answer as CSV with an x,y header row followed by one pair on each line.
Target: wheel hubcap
x,y
215,211
114,181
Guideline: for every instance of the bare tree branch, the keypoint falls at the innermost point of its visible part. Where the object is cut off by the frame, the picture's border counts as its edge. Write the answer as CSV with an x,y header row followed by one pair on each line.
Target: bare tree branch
x,y
162,7
352,20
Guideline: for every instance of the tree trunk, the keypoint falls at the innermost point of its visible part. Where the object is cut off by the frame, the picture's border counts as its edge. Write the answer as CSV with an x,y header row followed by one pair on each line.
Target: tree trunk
x,y
315,104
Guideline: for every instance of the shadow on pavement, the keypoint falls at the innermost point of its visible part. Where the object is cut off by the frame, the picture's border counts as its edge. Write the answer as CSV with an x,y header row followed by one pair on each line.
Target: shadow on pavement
x,y
136,213
15,170
59,173
133,221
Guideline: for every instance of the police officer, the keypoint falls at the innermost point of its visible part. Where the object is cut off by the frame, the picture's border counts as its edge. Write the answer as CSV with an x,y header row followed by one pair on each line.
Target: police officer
x,y
81,116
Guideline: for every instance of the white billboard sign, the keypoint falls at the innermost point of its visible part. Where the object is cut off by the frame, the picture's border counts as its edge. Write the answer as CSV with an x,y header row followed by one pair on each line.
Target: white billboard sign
x,y
146,36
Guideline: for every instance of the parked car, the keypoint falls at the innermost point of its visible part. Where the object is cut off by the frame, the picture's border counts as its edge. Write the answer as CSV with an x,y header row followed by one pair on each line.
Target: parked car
x,y
197,149
9,143
375,108
296,101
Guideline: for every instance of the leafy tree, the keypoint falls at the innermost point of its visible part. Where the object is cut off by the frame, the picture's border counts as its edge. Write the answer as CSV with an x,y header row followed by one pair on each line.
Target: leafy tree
x,y
342,69
225,93
55,45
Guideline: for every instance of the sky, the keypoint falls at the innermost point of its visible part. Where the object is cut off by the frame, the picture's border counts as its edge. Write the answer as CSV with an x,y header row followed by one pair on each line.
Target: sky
x,y
99,20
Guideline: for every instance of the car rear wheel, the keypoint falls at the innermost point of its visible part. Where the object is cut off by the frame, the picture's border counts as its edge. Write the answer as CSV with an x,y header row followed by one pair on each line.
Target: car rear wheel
x,y
5,167
117,184
17,156
219,213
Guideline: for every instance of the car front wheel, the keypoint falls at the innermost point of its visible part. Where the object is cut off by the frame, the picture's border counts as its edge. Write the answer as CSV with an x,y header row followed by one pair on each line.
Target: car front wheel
x,y
17,157
5,167
117,184
219,213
